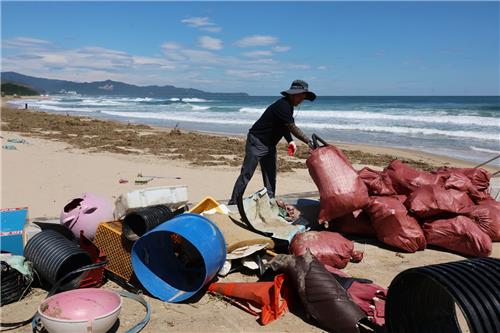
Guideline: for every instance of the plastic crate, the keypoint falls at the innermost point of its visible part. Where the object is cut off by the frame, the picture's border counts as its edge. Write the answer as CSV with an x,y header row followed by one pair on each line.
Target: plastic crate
x,y
208,203
117,249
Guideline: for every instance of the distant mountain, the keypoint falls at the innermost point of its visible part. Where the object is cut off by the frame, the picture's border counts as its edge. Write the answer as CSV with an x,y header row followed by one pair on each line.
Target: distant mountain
x,y
108,87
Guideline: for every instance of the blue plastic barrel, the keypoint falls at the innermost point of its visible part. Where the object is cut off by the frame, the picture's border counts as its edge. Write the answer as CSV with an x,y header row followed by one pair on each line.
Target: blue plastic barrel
x,y
177,258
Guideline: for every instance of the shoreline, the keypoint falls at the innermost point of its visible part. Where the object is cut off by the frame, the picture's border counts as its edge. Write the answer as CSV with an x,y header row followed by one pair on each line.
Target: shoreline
x,y
422,159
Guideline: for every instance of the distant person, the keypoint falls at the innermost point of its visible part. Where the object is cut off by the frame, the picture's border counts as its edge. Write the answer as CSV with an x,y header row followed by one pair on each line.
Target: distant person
x,y
275,123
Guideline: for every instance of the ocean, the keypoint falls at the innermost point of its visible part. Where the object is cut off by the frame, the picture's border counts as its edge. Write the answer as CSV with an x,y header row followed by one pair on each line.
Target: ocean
x,y
467,128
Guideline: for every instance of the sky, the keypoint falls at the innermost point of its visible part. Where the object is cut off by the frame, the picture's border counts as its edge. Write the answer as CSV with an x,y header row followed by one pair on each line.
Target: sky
x,y
339,48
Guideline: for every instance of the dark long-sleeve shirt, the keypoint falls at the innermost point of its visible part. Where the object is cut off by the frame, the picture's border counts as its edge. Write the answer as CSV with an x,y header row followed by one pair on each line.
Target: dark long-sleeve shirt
x,y
277,122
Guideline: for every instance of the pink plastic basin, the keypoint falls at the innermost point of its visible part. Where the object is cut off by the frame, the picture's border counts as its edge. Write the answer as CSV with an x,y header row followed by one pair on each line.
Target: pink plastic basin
x,y
81,310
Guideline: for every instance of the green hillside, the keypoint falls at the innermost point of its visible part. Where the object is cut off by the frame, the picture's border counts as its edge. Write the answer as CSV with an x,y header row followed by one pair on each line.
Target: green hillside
x,y
16,89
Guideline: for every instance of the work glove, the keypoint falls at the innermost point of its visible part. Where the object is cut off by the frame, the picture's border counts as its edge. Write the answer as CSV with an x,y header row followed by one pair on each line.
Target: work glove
x,y
292,148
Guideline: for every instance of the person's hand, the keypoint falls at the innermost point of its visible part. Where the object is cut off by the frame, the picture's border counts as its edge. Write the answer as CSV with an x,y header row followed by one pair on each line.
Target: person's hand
x,y
311,145
292,148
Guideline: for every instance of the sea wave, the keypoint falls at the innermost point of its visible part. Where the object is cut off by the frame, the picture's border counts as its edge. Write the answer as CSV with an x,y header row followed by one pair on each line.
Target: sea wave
x,y
193,117
406,130
195,100
198,107
485,150
363,115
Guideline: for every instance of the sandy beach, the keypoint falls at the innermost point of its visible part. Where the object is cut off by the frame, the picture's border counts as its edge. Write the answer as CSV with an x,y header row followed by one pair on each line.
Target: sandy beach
x,y
64,156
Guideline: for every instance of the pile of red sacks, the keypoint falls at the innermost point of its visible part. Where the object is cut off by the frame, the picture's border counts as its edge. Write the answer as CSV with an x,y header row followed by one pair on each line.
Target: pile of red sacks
x,y
406,208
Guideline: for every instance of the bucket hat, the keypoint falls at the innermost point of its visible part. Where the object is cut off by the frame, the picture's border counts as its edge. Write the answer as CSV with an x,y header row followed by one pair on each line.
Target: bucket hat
x,y
298,87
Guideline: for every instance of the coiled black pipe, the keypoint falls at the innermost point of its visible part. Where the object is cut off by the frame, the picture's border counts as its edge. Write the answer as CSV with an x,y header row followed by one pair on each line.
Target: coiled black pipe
x,y
137,223
53,255
424,299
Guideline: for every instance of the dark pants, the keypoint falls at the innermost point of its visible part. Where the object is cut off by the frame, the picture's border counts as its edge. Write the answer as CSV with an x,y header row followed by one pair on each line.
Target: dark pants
x,y
255,152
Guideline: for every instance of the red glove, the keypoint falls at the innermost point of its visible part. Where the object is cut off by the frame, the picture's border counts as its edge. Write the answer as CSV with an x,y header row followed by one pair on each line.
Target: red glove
x,y
292,148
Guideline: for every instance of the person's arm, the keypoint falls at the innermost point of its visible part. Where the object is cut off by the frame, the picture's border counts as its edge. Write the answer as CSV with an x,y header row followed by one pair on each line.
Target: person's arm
x,y
297,132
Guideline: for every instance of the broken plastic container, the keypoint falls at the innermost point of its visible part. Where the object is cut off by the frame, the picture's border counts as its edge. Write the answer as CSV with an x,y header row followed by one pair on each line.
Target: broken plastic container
x,y
177,258
171,196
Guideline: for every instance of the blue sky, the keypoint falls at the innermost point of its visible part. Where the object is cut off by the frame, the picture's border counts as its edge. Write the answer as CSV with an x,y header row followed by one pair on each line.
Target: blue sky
x,y
340,48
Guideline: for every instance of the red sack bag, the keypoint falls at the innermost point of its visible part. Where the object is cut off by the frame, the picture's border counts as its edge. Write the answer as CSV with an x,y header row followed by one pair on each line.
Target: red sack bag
x,y
355,223
341,190
459,181
479,177
377,182
406,179
393,225
330,248
487,217
432,200
459,234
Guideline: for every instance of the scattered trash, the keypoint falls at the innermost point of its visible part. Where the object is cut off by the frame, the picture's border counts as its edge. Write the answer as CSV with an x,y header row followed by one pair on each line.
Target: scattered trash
x,y
140,221
86,213
81,310
426,299
369,296
17,140
65,256
171,196
117,248
9,147
12,223
268,297
165,177
319,292
176,259
142,181
263,214
16,278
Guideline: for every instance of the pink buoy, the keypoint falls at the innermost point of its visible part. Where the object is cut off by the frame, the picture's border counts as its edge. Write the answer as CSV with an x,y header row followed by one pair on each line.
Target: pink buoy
x,y
86,213
80,310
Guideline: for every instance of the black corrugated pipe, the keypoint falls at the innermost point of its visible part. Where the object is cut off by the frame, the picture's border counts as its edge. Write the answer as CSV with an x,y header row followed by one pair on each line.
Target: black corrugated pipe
x,y
425,299
53,255
138,222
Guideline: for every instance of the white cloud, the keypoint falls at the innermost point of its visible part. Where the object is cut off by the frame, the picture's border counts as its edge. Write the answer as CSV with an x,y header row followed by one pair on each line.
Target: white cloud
x,y
25,42
202,23
256,40
197,21
170,46
245,73
281,48
322,68
258,54
210,43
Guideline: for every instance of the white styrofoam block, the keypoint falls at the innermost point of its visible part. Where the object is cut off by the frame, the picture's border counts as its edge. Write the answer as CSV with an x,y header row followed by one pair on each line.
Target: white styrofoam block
x,y
172,196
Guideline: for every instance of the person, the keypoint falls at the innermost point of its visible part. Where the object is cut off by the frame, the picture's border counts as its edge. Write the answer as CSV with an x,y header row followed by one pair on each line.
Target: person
x,y
275,123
